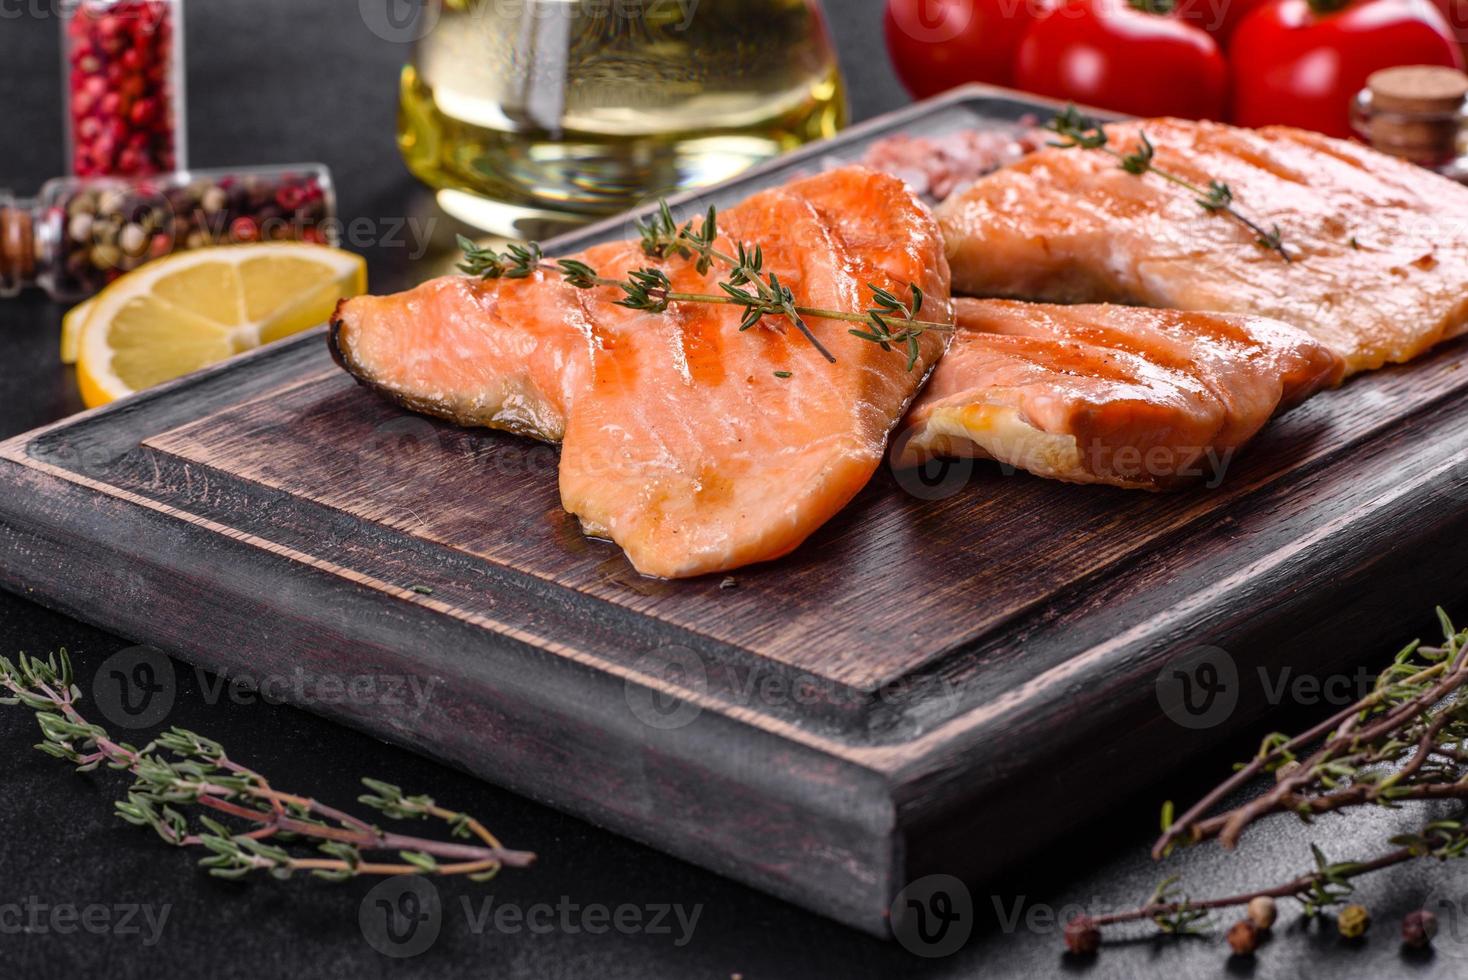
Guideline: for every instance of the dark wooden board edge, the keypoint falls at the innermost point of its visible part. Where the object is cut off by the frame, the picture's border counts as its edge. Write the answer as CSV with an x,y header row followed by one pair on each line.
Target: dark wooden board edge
x,y
1331,595
814,829
1352,538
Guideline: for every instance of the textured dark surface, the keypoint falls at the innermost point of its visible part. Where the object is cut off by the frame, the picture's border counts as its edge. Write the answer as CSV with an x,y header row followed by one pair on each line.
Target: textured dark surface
x,y
282,81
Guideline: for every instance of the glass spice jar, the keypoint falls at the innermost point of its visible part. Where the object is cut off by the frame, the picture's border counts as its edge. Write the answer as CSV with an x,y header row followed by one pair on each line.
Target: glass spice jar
x,y
1416,112
79,234
124,86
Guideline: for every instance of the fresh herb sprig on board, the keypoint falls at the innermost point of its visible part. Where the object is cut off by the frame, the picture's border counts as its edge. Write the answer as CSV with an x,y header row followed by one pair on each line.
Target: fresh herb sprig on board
x,y
1075,130
890,323
1406,740
254,827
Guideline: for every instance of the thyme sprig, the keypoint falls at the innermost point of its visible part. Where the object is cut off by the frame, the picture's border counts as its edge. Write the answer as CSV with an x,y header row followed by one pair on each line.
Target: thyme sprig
x,y
1075,130
1405,740
179,769
890,323
1328,885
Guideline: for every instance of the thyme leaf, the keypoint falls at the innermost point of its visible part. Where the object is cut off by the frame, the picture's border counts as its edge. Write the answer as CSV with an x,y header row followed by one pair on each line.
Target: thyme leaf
x,y
275,832
1406,740
892,323
1074,130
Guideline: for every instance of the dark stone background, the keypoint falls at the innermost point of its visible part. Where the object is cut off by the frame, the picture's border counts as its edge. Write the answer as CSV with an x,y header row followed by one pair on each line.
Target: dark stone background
x,y
281,81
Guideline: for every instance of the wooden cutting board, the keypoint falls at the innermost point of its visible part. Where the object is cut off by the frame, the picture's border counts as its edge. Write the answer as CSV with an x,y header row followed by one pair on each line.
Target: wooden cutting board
x,y
963,665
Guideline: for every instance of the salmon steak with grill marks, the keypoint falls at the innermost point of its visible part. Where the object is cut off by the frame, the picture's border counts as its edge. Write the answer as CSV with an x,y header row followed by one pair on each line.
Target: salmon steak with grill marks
x,y
1118,395
1378,246
695,445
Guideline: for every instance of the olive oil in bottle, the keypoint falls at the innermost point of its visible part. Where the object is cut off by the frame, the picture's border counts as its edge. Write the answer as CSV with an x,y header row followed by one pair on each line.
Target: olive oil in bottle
x,y
530,116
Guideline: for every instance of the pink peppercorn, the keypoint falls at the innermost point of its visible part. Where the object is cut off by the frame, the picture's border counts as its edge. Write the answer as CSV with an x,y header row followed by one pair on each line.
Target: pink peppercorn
x,y
244,230
125,102
290,196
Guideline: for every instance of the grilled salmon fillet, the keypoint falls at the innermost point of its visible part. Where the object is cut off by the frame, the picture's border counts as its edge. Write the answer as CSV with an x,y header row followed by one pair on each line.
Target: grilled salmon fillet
x,y
1130,397
683,438
1380,247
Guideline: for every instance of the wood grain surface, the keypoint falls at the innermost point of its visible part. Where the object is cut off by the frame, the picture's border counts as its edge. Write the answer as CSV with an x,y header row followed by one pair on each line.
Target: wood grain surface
x,y
954,671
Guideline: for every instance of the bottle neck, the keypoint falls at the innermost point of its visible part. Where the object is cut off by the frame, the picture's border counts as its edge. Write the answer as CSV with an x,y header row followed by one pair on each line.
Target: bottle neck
x,y
17,244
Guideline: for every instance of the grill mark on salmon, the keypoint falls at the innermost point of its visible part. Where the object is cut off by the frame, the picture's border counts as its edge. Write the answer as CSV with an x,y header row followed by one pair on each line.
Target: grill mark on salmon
x,y
1117,395
679,443
1068,225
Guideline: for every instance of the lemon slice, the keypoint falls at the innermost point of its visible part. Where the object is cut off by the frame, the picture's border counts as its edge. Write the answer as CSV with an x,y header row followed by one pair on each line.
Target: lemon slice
x,y
71,331
192,309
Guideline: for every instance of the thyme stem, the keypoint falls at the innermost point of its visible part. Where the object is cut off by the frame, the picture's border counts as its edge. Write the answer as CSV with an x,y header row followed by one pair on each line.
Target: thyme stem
x,y
1078,131
1304,884
890,323
200,773
1406,740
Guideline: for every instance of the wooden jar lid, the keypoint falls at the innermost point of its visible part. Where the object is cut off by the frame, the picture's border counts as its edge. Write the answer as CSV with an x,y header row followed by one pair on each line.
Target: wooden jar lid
x,y
1418,88
17,247
1416,112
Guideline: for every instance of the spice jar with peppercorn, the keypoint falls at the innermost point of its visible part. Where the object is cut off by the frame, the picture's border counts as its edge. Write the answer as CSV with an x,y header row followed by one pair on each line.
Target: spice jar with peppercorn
x,y
79,234
124,86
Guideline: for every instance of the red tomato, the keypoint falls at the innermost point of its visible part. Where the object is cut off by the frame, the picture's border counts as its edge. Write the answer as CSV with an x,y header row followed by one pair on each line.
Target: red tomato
x,y
1222,17
937,44
1302,67
1109,54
